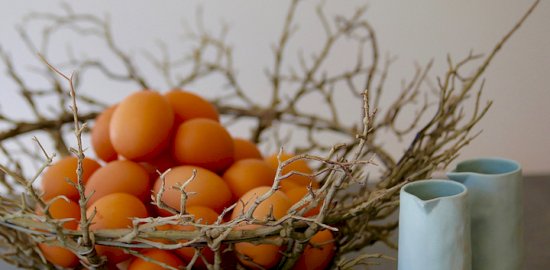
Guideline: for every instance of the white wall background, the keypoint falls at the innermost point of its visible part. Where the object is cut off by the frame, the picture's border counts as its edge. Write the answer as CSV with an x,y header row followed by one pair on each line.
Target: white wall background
x,y
518,81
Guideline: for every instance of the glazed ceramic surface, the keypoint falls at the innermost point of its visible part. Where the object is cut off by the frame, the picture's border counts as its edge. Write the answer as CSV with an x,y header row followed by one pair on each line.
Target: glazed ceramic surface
x,y
495,199
434,232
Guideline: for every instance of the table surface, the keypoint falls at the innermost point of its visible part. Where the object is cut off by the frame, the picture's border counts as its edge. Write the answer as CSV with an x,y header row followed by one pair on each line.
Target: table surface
x,y
537,229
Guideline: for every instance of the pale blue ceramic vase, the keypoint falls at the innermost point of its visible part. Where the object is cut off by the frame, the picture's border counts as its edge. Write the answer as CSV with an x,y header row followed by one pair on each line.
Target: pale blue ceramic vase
x,y
496,209
434,231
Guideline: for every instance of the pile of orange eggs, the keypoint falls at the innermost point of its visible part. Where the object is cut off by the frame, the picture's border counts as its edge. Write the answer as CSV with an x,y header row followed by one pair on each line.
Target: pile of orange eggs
x,y
149,132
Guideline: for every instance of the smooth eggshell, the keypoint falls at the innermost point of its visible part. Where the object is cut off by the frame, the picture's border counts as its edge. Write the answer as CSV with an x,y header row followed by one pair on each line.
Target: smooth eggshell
x,y
187,105
141,124
204,143
118,176
101,142
54,180
206,189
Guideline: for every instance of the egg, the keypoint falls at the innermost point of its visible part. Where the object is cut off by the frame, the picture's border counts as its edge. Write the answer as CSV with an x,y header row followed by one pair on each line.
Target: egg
x,y
158,255
295,194
101,142
118,176
294,180
264,255
202,215
140,126
115,211
187,106
247,174
318,253
204,143
54,180
245,149
206,189
62,209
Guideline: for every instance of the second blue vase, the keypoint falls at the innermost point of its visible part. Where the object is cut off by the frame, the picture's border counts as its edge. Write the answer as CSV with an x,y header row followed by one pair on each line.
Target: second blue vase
x,y
496,208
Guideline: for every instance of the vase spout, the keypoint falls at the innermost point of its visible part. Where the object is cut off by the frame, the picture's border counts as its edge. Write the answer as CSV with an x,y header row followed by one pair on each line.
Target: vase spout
x,y
426,205
427,194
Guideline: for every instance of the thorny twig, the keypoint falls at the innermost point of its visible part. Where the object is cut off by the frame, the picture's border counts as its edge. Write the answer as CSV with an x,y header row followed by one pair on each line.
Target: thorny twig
x,y
93,259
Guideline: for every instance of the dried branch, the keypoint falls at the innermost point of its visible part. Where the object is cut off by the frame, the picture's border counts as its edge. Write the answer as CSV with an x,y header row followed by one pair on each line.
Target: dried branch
x,y
93,259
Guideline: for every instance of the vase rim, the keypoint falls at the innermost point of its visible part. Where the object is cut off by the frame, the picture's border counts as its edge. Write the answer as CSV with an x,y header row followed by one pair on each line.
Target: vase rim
x,y
515,167
462,193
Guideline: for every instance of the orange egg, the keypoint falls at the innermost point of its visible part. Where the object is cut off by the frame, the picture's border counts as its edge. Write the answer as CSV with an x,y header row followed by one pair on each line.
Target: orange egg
x,y
245,149
101,142
160,212
264,255
119,176
206,216
295,194
54,181
206,189
187,105
160,163
158,255
247,174
318,253
279,202
61,209
59,256
205,143
290,185
114,255
298,166
140,126
115,211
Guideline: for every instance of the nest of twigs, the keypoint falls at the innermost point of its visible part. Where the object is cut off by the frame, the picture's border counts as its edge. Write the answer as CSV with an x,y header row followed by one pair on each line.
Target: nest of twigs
x,y
358,178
